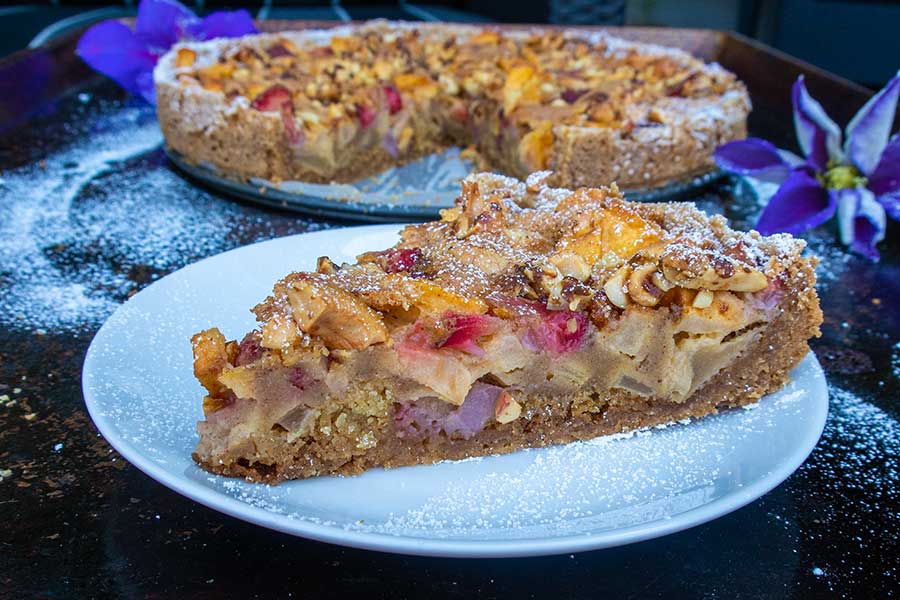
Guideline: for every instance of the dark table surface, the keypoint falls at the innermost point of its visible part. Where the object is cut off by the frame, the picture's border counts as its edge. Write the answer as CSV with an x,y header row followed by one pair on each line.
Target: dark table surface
x,y
91,212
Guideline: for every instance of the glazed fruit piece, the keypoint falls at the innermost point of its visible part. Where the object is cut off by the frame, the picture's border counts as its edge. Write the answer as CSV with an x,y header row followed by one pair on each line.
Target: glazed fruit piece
x,y
526,316
339,105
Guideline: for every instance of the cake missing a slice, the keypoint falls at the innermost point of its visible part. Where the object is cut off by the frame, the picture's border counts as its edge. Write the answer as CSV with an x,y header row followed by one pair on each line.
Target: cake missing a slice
x,y
526,316
346,103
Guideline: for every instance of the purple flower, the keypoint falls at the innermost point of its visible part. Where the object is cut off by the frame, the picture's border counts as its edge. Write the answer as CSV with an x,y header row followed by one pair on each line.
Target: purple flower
x,y
128,56
859,179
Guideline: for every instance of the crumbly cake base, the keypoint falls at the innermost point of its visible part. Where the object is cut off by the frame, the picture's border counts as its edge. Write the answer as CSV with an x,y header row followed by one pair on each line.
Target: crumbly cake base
x,y
762,368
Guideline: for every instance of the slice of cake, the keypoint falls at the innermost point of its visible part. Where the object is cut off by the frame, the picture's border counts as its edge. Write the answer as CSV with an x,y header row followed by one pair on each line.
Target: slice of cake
x,y
346,103
526,316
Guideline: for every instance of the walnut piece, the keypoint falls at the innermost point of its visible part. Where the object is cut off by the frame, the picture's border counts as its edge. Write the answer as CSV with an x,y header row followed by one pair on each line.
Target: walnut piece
x,y
692,267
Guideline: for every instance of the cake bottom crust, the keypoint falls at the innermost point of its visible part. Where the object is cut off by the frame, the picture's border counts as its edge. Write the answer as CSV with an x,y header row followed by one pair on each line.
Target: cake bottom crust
x,y
763,367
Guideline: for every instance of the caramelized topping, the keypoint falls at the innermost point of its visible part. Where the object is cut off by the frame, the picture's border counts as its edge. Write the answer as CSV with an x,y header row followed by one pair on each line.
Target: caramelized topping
x,y
504,249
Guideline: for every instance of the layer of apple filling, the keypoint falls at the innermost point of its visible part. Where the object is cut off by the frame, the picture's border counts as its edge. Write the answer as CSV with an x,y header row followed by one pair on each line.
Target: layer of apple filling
x,y
455,374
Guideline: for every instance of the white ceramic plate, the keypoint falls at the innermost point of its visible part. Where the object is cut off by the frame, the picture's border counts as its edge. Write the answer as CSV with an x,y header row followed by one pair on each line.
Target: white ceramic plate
x,y
141,393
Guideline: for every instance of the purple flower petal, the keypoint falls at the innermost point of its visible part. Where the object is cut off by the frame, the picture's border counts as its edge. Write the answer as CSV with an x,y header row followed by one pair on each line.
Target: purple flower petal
x,y
868,131
885,178
790,158
800,203
752,156
818,135
146,88
162,23
226,24
112,48
891,204
861,220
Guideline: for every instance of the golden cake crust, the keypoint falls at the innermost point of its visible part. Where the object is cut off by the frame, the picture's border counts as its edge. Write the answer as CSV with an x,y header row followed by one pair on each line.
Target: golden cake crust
x,y
660,128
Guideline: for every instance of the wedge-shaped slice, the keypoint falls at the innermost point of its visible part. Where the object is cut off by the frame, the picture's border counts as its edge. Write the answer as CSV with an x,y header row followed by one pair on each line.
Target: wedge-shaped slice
x,y
527,316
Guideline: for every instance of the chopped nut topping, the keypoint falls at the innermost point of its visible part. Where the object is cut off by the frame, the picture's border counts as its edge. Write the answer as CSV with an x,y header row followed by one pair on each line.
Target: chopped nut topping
x,y
615,287
498,83
642,286
693,267
324,265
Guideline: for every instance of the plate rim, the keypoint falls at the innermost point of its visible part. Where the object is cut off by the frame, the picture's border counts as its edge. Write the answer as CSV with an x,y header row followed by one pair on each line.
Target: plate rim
x,y
419,546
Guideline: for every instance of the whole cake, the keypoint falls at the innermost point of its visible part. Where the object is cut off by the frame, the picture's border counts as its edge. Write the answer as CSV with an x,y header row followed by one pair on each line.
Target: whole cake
x,y
342,104
526,316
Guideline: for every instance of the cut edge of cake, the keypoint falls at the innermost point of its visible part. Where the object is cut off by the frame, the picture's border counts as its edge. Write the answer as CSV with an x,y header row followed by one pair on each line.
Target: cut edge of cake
x,y
356,367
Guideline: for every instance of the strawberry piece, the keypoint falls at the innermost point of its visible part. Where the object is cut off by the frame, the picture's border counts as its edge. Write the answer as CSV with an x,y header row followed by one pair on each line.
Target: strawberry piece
x,y
465,330
395,102
278,50
365,114
272,99
560,331
277,98
768,298
394,260
572,96
459,112
430,416
249,350
299,379
399,260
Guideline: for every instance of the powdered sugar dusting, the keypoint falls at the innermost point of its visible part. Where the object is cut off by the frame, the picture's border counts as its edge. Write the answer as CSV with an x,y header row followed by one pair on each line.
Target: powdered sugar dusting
x,y
633,475
35,207
849,488
94,221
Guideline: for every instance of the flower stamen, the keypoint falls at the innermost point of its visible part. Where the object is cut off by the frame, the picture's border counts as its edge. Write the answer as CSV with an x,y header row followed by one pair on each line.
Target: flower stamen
x,y
842,177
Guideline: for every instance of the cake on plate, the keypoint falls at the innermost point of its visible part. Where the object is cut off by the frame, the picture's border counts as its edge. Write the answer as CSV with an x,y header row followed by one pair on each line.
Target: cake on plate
x,y
527,316
342,104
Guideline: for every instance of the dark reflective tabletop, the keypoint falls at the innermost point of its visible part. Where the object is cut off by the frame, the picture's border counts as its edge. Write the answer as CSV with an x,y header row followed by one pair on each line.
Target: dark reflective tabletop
x,y
91,211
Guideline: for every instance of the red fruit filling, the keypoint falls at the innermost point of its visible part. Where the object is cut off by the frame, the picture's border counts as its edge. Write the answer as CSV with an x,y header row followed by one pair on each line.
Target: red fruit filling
x,y
249,350
299,379
555,331
365,114
459,112
395,102
465,331
454,331
278,99
400,260
278,50
571,96
768,298
431,416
